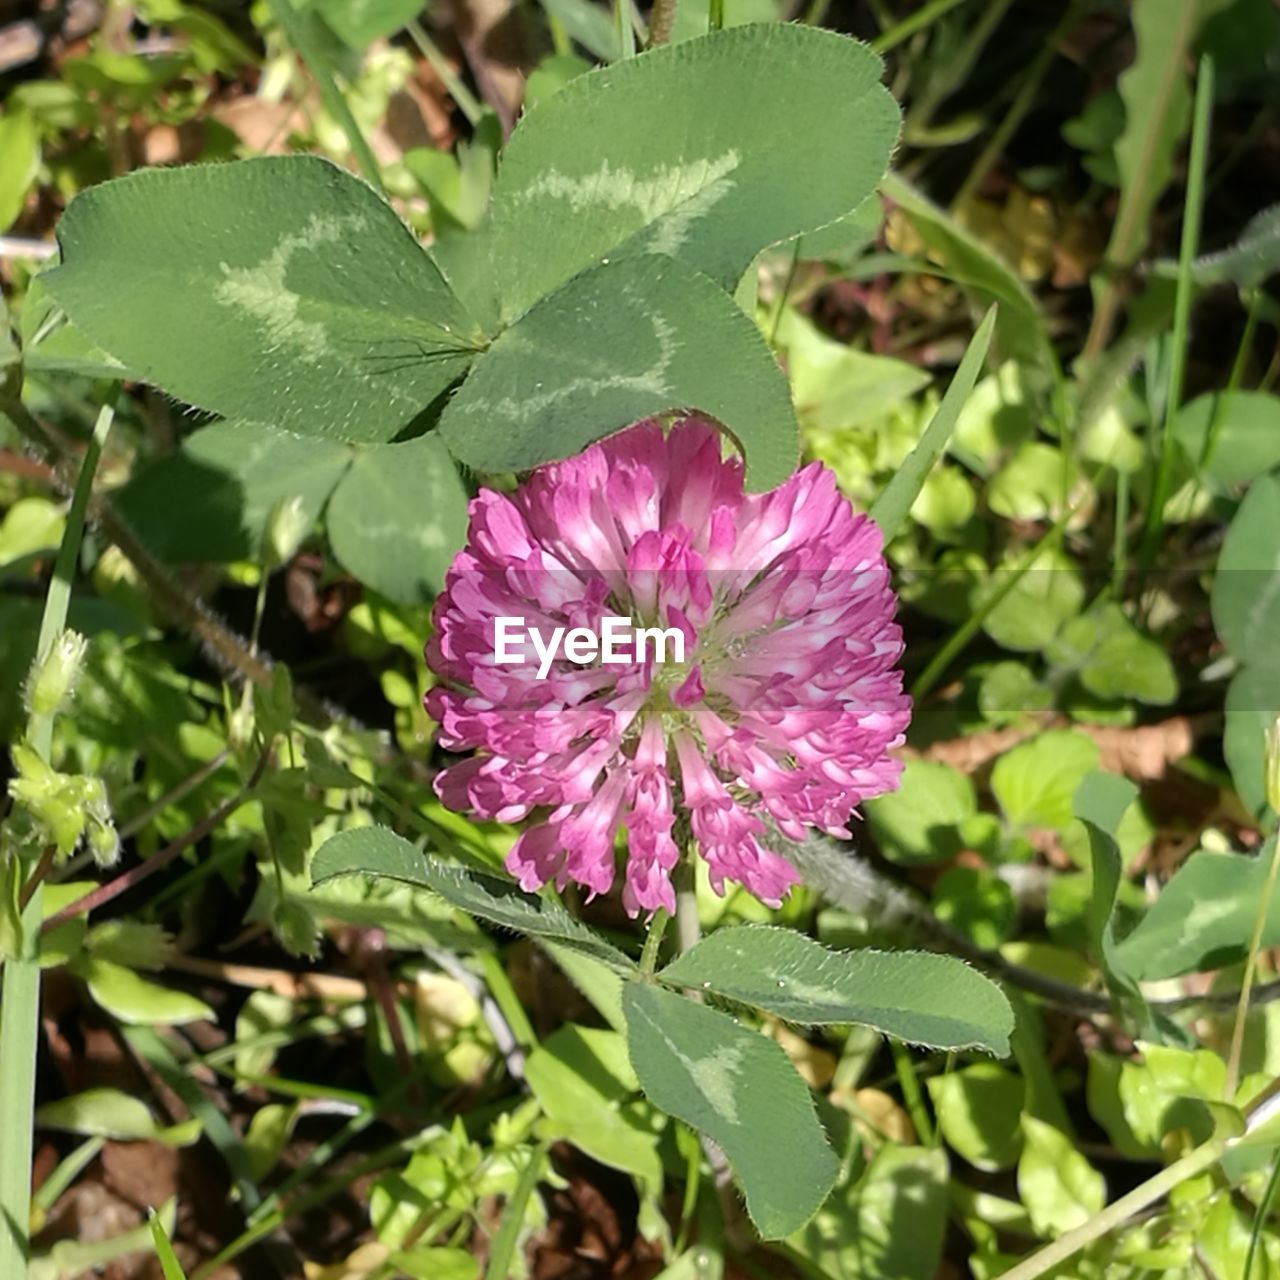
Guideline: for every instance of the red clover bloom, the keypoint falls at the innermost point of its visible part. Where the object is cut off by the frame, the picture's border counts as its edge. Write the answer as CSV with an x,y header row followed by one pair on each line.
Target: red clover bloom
x,y
782,711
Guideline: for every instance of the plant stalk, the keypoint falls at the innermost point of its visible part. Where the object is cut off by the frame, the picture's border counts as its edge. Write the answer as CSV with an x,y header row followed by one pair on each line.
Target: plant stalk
x,y
662,22
1182,305
1250,968
1115,1215
685,879
653,942
20,1002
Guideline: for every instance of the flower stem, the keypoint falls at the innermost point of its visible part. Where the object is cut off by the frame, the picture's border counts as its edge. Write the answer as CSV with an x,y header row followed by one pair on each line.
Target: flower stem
x,y
1116,1214
653,941
685,880
20,1007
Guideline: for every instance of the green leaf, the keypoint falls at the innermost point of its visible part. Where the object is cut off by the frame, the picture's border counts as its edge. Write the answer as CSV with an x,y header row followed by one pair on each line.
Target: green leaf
x,y
1167,1090
52,344
976,903
1203,917
708,151
554,72
740,1089
583,1080
110,1113
1113,659
891,507
945,504
209,501
620,342
834,384
600,983
375,851
279,290
169,1263
1009,691
1020,331
1246,427
889,1224
358,23
1046,596
1246,586
995,419
1157,102
1059,1187
921,997
134,1000
1036,781
398,516
1252,707
19,162
588,25
1031,485
920,820
978,1112
1100,803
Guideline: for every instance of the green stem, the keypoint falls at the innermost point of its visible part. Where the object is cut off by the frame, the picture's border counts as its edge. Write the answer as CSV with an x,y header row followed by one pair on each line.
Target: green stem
x,y
685,882
1182,305
905,1070
653,942
917,21
1260,1218
1115,1215
973,624
1120,550
20,1006
299,37
1250,967
467,102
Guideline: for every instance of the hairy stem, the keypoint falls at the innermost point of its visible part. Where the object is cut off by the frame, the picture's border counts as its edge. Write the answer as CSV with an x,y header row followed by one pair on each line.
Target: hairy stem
x,y
662,22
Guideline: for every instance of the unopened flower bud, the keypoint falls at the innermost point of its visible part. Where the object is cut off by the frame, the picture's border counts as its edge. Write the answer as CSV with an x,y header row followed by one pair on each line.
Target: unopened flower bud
x,y
53,681
287,525
1272,765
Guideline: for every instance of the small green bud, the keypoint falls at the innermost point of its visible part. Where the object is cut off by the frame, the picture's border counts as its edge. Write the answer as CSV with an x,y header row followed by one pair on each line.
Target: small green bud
x,y
53,681
64,808
1272,766
287,525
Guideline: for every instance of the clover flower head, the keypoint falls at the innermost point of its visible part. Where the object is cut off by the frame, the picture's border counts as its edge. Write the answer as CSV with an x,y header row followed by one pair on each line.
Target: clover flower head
x,y
781,714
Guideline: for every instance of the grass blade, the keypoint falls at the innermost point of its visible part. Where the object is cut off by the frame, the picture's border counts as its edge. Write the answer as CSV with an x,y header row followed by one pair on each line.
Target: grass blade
x,y
293,24
1182,305
891,507
504,1243
169,1263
